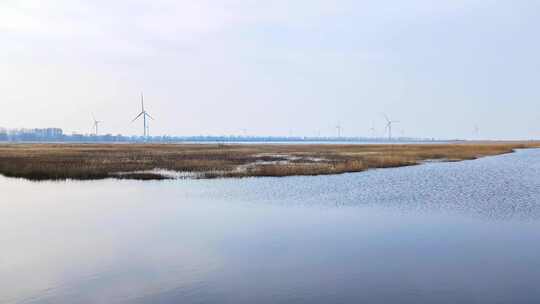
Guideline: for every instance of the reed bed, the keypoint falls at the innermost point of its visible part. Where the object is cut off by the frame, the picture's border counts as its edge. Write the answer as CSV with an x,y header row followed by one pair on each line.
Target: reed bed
x,y
140,161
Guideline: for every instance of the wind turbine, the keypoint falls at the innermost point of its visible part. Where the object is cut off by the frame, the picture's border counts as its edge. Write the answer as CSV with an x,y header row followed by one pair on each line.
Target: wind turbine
x,y
96,125
338,129
372,129
144,114
389,125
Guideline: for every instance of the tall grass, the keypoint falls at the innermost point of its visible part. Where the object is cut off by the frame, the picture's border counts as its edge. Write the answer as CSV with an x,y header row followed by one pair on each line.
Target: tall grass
x,y
85,161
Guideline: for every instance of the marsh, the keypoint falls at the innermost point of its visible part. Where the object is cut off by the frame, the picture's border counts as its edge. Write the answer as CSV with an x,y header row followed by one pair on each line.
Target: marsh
x,y
161,161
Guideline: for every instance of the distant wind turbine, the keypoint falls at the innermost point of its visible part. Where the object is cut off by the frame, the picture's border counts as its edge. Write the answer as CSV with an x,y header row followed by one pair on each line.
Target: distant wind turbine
x,y
389,125
144,114
96,125
338,129
372,129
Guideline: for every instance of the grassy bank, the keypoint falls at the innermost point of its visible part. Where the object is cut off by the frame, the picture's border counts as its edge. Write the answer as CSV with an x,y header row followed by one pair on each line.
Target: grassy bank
x,y
137,161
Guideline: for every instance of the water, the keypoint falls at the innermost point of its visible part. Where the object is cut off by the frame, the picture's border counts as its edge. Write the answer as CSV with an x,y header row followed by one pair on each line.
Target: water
x,y
463,232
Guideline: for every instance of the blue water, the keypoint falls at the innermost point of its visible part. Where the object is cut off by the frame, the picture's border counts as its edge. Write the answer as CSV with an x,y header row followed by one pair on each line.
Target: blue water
x,y
464,232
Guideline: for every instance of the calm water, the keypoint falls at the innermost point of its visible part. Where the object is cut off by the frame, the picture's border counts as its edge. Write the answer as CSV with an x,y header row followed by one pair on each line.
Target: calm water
x,y
464,232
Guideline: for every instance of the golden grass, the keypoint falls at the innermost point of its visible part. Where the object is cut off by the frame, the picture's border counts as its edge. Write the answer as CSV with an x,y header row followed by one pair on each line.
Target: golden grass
x,y
97,161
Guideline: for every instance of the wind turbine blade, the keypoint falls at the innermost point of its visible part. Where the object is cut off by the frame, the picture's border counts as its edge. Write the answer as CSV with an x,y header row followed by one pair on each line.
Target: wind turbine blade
x,y
142,102
137,116
149,115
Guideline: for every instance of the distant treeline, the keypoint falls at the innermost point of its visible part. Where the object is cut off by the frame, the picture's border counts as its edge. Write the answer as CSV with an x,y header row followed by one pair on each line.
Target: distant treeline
x,y
57,135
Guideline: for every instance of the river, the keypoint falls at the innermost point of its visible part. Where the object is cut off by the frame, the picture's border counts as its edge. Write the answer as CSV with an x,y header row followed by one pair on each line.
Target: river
x,y
464,232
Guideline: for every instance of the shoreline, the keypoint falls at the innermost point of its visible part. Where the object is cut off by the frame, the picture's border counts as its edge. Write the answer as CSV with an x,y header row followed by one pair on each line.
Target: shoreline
x,y
39,162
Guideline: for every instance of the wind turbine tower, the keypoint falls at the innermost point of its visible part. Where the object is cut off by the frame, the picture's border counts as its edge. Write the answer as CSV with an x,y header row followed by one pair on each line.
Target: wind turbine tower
x,y
96,125
389,126
338,129
144,115
373,130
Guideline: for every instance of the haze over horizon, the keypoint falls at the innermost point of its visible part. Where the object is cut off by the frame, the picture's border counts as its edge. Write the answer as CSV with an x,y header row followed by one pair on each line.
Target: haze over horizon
x,y
273,67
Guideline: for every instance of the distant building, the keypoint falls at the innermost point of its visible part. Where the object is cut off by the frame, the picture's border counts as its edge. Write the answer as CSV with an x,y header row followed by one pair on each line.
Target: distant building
x,y
49,133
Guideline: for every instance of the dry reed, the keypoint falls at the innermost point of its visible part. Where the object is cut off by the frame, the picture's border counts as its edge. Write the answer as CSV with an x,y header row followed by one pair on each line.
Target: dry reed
x,y
94,161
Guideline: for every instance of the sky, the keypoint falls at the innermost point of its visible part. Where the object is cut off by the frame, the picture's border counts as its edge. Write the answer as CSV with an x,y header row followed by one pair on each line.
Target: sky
x,y
278,67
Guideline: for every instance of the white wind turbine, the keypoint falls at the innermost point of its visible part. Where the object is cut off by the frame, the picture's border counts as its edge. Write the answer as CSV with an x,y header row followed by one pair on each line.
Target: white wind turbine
x,y
338,129
373,130
144,115
96,125
389,125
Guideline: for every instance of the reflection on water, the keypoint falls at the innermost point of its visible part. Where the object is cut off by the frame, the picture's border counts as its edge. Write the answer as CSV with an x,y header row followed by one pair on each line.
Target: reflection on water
x,y
437,233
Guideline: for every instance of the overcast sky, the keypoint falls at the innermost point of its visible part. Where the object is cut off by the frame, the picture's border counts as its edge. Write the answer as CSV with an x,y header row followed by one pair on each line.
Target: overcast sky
x,y
273,67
